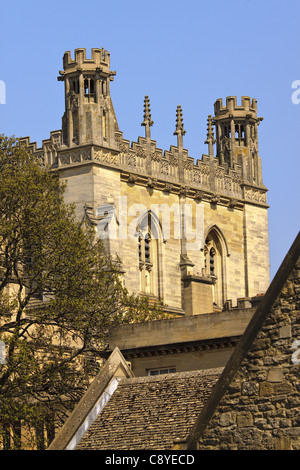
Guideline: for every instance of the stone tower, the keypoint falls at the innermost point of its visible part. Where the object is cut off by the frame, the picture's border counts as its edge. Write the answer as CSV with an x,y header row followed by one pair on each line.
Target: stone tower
x,y
89,116
214,249
237,136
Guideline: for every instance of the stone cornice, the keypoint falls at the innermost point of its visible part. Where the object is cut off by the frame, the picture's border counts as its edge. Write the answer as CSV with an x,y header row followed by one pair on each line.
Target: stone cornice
x,y
177,348
181,190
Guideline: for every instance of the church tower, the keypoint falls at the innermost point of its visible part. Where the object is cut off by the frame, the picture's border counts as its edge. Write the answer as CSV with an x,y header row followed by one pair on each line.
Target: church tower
x,y
89,116
192,232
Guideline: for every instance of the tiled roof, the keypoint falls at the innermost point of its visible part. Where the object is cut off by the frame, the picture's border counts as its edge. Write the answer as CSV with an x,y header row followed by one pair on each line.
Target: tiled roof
x,y
150,412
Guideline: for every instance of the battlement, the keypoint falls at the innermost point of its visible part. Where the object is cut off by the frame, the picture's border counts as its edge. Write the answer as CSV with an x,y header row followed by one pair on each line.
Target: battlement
x,y
47,153
99,58
247,107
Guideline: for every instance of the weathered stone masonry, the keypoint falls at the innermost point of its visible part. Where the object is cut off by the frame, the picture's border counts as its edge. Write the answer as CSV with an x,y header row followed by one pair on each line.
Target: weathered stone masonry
x,y
253,404
101,167
261,409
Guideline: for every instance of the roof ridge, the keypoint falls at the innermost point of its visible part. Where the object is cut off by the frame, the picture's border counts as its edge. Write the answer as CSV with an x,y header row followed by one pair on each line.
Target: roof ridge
x,y
171,376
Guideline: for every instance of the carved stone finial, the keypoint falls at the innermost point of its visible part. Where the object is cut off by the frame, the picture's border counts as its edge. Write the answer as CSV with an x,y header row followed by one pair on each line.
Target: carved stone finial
x,y
179,131
179,122
210,139
147,117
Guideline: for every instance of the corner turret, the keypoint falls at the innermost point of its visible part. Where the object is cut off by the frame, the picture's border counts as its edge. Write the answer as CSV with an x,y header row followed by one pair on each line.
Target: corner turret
x,y
237,136
89,116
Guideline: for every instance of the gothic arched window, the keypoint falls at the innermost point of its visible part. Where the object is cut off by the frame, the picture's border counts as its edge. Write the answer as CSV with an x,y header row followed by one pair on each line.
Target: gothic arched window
x,y
148,257
214,265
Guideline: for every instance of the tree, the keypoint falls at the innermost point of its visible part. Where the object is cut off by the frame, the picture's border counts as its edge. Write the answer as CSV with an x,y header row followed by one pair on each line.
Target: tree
x,y
60,293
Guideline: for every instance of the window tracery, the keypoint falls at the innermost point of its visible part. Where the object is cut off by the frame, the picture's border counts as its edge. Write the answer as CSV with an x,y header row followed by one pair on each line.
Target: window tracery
x,y
214,266
148,257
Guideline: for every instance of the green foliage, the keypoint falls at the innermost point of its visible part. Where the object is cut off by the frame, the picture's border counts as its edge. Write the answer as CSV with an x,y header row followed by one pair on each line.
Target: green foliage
x,y
46,253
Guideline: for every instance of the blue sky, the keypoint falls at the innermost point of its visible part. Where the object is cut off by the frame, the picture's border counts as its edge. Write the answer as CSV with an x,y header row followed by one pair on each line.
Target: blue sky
x,y
189,53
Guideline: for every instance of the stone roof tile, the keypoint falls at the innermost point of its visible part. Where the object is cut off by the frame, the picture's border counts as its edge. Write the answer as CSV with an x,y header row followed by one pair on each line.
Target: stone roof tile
x,y
147,413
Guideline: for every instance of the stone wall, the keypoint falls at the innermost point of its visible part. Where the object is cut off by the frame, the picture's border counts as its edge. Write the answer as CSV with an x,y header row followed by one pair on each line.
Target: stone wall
x,y
184,343
256,245
261,408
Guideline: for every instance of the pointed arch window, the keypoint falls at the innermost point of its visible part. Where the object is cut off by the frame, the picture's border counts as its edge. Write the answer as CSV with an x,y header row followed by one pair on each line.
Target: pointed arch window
x,y
214,265
148,257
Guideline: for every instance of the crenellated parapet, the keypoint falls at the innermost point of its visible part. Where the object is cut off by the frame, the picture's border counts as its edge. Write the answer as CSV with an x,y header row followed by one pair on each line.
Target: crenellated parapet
x,y
247,106
204,179
99,58
47,154
142,162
